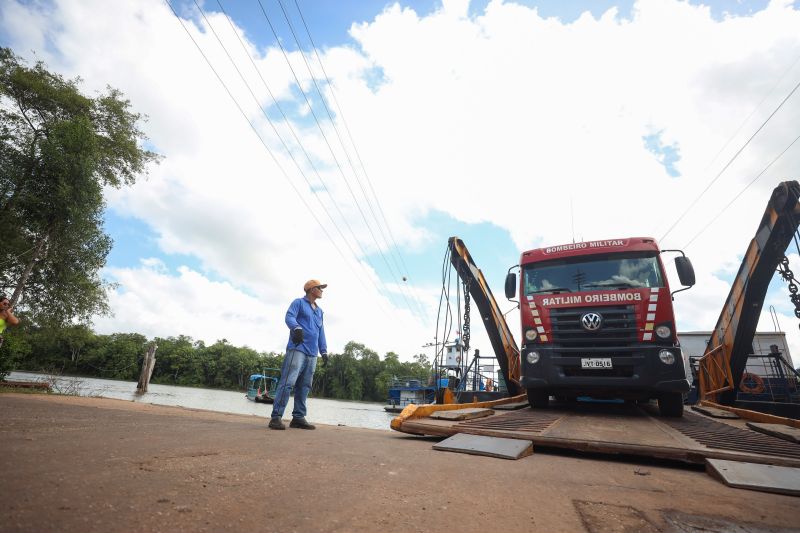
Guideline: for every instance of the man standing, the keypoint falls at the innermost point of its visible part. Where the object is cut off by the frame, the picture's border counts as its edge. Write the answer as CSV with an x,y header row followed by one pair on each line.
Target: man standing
x,y
305,322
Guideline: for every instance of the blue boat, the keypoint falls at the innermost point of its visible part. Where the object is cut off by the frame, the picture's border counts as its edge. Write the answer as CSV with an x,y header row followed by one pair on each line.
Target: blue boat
x,y
405,391
261,387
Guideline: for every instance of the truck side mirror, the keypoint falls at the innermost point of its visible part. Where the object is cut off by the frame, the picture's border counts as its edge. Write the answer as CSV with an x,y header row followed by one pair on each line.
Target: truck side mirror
x,y
511,285
685,270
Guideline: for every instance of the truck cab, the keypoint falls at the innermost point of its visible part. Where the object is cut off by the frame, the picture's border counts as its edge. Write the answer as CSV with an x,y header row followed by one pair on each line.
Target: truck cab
x,y
597,320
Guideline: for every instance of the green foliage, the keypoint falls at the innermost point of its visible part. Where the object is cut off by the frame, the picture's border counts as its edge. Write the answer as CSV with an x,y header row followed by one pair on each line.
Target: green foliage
x,y
58,150
358,373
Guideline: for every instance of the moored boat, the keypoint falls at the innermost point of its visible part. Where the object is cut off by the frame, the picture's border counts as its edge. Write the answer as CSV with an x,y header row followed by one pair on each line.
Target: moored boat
x,y
405,391
261,387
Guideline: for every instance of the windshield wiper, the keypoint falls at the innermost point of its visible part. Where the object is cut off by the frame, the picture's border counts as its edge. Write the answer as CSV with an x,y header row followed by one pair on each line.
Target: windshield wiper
x,y
553,289
611,285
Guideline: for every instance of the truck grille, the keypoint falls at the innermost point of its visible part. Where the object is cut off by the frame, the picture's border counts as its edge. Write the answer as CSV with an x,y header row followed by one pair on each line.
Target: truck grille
x,y
618,328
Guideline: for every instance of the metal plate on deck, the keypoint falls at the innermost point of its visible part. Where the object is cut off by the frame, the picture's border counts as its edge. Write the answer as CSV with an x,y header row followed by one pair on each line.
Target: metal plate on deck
x,y
777,430
481,445
765,478
511,406
714,412
462,414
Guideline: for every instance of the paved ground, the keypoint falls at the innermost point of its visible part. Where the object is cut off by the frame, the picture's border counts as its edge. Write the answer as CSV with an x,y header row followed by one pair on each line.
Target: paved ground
x,y
88,464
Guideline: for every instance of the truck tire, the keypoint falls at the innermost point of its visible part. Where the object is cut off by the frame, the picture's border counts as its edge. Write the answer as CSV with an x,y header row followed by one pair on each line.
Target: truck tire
x,y
538,399
671,404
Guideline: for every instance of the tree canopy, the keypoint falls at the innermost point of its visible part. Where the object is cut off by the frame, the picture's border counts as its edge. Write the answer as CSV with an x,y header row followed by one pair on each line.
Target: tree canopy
x,y
58,149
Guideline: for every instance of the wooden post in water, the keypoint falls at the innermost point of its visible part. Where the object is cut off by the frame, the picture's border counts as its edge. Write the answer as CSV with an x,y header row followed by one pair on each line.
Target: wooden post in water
x,y
147,369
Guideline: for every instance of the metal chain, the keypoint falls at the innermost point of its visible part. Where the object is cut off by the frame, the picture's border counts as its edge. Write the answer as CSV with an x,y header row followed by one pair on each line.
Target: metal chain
x,y
788,276
465,332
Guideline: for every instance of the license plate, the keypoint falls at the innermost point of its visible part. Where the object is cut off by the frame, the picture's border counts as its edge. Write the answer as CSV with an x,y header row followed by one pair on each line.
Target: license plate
x,y
596,363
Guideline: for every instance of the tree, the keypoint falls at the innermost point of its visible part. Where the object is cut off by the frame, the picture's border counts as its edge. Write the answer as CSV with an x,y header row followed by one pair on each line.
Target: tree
x,y
58,149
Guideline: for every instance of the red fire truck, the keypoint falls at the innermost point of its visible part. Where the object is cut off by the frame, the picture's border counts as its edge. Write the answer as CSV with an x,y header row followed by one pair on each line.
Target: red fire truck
x,y
597,321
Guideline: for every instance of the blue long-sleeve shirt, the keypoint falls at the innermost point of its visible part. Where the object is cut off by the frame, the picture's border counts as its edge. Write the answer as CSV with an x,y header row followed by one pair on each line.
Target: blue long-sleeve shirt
x,y
302,314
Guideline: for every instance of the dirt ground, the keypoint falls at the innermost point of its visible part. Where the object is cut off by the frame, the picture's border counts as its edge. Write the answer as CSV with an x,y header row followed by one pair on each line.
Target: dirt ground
x,y
89,464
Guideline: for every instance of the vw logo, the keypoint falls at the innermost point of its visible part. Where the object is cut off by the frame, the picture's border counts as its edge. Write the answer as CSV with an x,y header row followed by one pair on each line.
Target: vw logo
x,y
591,321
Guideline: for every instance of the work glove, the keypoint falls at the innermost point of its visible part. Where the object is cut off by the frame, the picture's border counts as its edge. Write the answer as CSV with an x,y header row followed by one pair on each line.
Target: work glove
x,y
297,336
324,359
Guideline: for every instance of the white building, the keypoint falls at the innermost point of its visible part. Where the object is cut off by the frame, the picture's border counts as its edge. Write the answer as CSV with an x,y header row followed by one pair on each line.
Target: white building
x,y
693,345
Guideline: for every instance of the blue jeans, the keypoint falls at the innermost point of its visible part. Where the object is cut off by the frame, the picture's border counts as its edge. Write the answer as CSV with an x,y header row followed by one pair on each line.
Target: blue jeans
x,y
297,374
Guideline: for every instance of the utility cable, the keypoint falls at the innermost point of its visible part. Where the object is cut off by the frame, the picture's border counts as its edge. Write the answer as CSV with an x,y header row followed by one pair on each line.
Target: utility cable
x,y
303,149
330,148
355,149
741,192
728,164
275,130
264,144
335,128
735,133
291,129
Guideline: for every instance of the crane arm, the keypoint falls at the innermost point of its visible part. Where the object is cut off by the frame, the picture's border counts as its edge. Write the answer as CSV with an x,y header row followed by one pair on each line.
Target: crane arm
x,y
505,348
725,359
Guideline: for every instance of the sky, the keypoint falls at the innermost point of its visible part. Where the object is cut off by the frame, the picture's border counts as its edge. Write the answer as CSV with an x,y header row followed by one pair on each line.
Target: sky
x,y
511,124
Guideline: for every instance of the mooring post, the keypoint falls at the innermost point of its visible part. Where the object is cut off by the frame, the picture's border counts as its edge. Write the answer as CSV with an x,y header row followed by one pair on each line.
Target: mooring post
x,y
148,364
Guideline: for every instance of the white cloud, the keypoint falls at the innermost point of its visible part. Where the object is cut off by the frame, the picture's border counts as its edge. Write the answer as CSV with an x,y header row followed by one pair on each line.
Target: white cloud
x,y
506,117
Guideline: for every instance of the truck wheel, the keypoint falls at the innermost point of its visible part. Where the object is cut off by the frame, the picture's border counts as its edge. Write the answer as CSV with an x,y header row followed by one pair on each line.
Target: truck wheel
x,y
538,399
671,404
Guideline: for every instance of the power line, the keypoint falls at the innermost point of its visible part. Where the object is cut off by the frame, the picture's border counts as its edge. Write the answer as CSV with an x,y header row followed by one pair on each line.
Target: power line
x,y
263,143
302,148
355,148
330,148
294,134
275,130
735,133
728,164
333,122
741,192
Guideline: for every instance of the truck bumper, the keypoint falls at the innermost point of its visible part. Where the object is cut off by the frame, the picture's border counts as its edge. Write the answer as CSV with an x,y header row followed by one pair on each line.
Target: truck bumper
x,y
638,374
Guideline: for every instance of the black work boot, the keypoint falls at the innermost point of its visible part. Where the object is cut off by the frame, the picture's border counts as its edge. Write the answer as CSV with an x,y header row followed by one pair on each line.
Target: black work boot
x,y
301,423
276,423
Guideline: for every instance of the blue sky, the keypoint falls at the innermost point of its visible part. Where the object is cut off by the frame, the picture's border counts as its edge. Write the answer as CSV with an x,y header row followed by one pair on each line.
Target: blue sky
x,y
509,124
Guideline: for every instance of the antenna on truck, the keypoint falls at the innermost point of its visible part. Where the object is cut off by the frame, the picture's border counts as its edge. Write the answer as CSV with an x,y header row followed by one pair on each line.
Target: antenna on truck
x,y
572,219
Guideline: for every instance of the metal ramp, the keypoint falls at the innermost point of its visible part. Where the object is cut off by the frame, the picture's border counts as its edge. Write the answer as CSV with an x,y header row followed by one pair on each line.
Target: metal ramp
x,y
622,429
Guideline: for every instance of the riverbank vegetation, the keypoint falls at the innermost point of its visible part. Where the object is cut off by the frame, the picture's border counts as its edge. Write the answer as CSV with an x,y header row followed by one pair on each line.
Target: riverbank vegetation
x,y
358,373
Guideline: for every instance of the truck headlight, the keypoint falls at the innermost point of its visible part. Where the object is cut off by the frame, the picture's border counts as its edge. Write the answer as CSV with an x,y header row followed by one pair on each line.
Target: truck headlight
x,y
666,357
663,331
532,357
530,334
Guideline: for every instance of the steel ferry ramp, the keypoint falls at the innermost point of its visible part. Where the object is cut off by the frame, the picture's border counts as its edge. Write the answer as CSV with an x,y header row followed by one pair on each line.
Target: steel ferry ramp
x,y
621,429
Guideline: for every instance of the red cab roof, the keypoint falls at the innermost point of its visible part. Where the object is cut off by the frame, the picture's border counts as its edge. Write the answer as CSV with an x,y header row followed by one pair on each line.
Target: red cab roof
x,y
636,244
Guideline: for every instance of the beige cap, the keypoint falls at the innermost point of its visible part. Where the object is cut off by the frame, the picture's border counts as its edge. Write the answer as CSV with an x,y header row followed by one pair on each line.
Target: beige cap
x,y
310,284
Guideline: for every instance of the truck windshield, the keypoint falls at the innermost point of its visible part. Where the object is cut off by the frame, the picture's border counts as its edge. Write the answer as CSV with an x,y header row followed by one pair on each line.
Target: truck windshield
x,y
606,272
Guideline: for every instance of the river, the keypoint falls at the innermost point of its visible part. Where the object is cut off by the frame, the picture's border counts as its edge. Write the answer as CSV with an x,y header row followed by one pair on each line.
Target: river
x,y
320,410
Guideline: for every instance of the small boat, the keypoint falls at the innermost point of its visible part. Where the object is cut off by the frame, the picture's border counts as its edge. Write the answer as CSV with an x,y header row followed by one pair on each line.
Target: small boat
x,y
261,387
405,391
